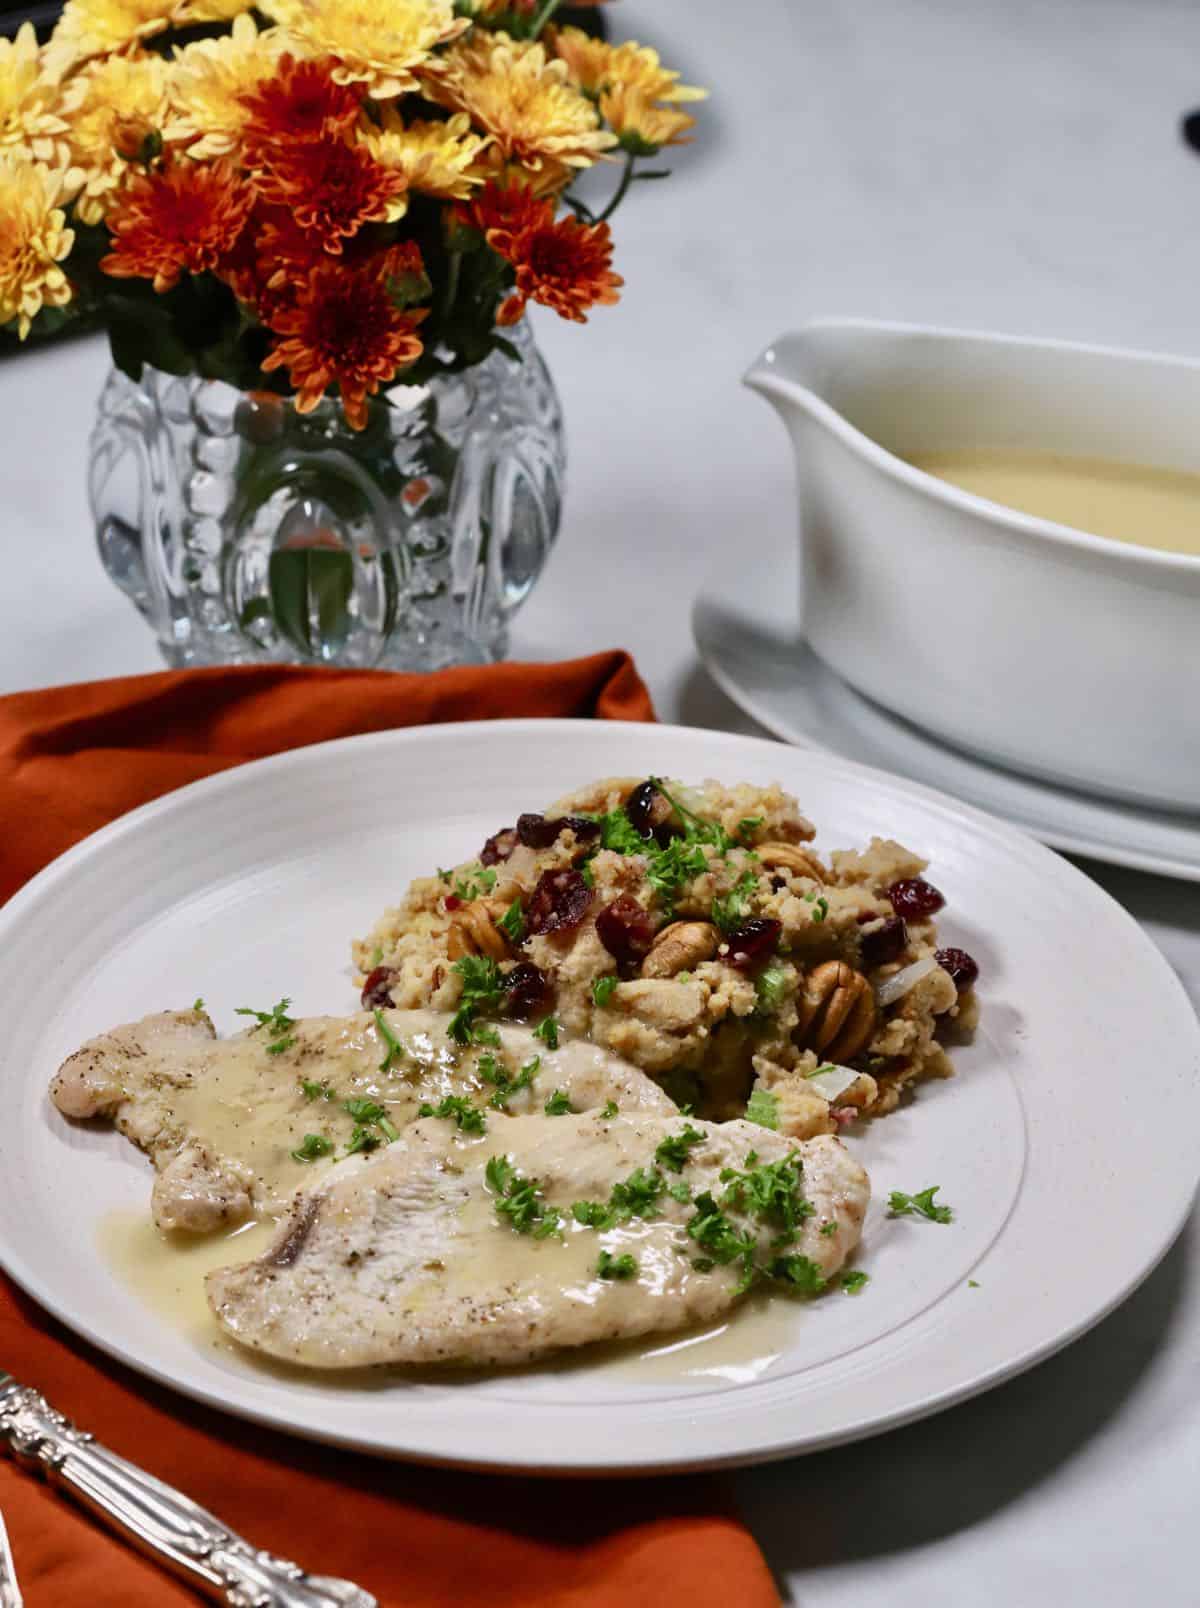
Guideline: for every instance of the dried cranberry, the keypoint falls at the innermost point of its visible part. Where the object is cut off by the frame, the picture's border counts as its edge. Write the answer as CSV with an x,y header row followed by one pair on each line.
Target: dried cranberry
x,y
753,941
536,832
639,807
625,928
560,900
914,897
540,831
651,814
528,990
451,901
885,944
499,847
377,989
962,967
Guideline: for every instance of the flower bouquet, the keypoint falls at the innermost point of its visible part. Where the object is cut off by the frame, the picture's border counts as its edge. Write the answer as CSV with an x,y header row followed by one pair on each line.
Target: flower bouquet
x,y
316,196
311,230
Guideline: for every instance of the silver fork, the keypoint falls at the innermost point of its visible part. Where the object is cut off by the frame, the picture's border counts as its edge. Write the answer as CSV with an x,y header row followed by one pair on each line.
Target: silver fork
x,y
159,1520
10,1592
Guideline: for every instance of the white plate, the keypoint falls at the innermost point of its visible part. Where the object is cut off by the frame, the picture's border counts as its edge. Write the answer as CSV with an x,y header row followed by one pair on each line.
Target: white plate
x,y
1069,1145
745,625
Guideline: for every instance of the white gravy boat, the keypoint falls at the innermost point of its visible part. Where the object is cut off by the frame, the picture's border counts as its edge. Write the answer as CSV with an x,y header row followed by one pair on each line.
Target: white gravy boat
x,y
1065,655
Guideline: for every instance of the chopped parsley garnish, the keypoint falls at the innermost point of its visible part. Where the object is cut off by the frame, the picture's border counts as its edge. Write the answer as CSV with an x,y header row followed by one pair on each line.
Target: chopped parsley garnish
x,y
502,1080
972,1284
854,1281
820,909
671,867
729,912
367,1114
363,1110
277,1023
770,1192
800,1272
610,1110
673,1152
902,1205
603,989
588,875
467,1116
680,1192
695,828
618,833
771,986
518,1199
512,922
483,989
395,1050
316,1091
547,1030
467,887
829,1229
748,826
481,1033
636,1196
362,1139
763,1108
825,1066
376,955
197,1005
559,1104
315,1144
720,1240
616,1267
445,876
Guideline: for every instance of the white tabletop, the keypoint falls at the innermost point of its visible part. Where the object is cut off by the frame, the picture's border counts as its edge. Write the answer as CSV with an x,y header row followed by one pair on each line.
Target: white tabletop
x,y
1012,164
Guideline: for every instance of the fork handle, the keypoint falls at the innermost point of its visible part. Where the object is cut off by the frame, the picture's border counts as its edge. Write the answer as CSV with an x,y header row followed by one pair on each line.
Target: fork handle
x,y
157,1518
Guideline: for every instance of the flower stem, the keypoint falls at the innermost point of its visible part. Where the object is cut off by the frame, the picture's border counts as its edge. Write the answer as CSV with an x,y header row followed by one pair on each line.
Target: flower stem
x,y
543,17
619,192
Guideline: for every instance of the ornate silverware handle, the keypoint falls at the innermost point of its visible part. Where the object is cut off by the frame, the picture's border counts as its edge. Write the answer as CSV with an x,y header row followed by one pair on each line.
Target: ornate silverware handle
x,y
161,1521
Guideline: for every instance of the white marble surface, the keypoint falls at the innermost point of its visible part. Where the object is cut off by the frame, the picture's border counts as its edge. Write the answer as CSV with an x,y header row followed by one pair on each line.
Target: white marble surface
x,y
1005,163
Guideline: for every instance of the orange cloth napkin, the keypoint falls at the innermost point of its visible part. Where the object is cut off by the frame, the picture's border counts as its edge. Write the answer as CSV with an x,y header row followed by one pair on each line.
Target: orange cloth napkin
x,y
72,758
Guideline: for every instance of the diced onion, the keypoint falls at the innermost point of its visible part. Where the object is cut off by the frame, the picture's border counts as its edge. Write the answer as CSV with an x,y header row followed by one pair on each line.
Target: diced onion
x,y
898,984
832,1081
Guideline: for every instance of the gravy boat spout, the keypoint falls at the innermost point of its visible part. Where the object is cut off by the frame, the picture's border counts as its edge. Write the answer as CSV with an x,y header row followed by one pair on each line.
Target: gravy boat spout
x,y
1060,653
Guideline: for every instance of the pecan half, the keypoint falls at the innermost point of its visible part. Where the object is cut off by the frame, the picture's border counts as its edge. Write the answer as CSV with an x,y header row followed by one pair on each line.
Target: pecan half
x,y
473,932
837,1011
679,947
789,857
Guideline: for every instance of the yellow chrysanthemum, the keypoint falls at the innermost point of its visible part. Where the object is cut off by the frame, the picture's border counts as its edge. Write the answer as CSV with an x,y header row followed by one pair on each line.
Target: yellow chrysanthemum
x,y
640,125
34,239
113,106
525,102
596,66
194,11
29,98
439,159
373,42
90,28
206,84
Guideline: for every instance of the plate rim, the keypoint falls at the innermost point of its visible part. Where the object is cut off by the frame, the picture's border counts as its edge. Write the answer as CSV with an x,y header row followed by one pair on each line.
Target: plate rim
x,y
230,779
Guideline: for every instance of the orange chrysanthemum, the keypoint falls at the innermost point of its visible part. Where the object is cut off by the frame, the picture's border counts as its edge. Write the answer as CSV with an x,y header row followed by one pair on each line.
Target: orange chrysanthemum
x,y
182,218
501,212
301,103
563,265
332,187
347,330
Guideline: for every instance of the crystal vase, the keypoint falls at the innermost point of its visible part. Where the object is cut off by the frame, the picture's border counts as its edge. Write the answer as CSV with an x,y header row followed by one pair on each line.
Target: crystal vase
x,y
247,533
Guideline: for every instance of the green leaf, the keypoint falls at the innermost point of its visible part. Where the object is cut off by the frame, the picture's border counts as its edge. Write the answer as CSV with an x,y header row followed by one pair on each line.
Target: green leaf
x,y
310,590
